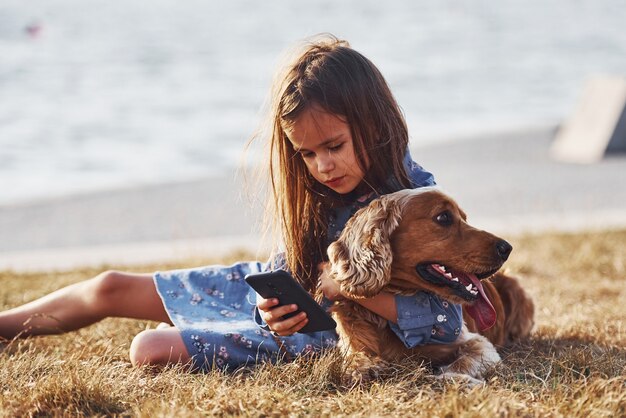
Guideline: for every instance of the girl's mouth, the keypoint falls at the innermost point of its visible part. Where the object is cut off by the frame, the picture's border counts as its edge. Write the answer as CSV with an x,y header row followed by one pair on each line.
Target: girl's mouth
x,y
332,183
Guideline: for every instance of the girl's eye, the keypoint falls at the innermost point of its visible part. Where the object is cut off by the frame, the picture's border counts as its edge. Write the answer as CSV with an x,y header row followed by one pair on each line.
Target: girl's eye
x,y
306,154
335,147
444,218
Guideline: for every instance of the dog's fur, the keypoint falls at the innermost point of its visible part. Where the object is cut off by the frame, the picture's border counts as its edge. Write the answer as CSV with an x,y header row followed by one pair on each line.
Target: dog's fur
x,y
379,250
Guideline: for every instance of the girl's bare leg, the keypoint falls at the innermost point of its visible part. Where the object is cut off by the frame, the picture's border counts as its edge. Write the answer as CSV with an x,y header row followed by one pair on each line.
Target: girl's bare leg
x,y
158,347
110,294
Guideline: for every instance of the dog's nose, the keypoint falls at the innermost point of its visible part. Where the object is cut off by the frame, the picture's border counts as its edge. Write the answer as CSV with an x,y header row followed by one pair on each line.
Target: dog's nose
x,y
504,249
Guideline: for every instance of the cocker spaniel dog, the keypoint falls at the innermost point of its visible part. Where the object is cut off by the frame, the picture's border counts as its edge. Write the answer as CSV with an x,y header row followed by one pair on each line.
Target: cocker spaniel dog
x,y
418,240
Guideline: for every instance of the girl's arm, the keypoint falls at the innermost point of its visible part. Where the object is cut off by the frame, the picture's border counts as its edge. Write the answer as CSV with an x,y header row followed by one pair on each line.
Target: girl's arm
x,y
419,319
383,304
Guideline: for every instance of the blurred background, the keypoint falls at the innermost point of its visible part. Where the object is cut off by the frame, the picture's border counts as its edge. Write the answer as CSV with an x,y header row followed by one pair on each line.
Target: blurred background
x,y
100,95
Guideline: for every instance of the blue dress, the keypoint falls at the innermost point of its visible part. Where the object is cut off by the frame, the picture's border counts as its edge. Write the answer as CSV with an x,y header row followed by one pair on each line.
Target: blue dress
x,y
215,310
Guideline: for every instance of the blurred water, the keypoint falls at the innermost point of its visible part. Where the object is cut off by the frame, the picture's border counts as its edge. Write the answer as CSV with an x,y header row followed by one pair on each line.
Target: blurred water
x,y
111,94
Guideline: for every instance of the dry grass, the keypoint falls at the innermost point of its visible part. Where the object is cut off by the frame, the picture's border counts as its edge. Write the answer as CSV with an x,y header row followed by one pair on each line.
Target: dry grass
x,y
574,365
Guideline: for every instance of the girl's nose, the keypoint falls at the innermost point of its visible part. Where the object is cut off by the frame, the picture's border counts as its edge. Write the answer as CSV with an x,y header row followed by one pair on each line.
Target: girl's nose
x,y
325,164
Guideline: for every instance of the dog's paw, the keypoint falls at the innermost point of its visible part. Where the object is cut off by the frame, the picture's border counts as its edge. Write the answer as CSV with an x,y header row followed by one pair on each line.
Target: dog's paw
x,y
362,369
361,376
476,356
354,378
464,379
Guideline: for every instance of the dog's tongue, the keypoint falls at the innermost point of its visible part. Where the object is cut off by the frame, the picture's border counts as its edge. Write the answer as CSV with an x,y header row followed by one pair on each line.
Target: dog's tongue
x,y
482,311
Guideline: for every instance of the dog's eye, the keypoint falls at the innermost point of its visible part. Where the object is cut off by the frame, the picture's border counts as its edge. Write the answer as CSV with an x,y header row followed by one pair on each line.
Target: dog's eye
x,y
444,218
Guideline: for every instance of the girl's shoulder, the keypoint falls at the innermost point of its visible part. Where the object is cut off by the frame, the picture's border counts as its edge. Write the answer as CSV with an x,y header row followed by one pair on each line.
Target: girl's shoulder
x,y
418,176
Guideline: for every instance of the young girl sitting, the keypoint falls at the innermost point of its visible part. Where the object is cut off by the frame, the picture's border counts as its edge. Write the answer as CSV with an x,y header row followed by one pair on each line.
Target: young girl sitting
x,y
337,140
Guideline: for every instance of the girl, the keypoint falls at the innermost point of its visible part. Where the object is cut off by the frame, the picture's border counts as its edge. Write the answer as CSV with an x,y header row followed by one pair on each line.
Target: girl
x,y
337,140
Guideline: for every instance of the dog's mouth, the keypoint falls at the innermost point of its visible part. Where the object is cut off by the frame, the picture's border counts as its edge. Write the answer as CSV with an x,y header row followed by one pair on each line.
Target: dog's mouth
x,y
465,285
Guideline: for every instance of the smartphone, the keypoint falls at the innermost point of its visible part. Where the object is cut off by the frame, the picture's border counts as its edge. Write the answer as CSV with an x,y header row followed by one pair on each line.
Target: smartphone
x,y
280,285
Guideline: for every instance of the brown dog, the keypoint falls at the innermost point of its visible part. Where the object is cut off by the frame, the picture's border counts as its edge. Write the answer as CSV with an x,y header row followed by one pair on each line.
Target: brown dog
x,y
418,240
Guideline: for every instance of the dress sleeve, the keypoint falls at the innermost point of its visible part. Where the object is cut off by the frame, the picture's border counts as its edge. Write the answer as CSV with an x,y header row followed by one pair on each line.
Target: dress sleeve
x,y
424,318
418,176
259,320
276,261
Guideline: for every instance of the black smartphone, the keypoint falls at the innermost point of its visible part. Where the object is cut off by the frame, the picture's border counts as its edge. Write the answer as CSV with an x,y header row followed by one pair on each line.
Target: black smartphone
x,y
280,285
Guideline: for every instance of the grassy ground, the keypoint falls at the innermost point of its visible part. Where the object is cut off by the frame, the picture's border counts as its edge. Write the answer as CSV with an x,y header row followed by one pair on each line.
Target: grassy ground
x,y
574,364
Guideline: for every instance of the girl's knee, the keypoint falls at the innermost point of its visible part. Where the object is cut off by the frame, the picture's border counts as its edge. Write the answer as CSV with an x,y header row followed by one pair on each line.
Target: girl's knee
x,y
158,348
102,289
142,349
105,284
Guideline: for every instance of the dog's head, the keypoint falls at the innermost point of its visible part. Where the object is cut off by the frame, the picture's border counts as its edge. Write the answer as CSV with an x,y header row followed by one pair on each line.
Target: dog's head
x,y
416,240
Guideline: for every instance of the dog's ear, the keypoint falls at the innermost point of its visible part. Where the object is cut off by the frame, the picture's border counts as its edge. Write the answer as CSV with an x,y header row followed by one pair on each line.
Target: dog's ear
x,y
361,258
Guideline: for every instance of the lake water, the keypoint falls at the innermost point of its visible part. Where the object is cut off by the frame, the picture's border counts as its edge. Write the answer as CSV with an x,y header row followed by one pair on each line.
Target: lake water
x,y
103,94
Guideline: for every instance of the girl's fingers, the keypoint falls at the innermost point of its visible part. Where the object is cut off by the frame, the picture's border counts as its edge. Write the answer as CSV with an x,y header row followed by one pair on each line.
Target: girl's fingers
x,y
290,331
276,314
298,326
273,316
266,304
289,326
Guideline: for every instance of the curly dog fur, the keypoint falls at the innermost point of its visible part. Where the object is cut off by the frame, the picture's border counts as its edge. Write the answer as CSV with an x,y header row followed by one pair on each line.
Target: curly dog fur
x,y
397,244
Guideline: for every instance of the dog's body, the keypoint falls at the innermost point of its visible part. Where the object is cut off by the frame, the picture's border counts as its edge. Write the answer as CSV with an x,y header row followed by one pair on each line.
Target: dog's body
x,y
418,240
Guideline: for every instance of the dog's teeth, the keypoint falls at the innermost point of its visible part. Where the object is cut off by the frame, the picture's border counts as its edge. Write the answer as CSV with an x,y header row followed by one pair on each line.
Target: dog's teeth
x,y
455,279
448,275
469,287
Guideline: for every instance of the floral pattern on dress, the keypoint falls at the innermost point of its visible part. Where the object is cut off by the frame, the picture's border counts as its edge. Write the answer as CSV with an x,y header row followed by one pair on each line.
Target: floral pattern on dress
x,y
222,356
239,339
213,309
199,343
195,299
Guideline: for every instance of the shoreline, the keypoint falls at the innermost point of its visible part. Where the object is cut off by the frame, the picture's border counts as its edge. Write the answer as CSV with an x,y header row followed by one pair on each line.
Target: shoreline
x,y
132,254
507,185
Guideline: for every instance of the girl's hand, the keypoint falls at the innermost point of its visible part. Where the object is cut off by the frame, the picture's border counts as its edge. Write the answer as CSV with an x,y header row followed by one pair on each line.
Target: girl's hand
x,y
273,316
328,286
383,304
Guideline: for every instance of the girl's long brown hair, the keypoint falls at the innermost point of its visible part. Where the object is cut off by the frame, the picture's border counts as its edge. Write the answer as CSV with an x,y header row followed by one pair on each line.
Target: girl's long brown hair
x,y
328,73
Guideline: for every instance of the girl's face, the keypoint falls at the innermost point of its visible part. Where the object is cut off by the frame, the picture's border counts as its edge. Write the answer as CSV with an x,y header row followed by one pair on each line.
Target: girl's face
x,y
324,142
